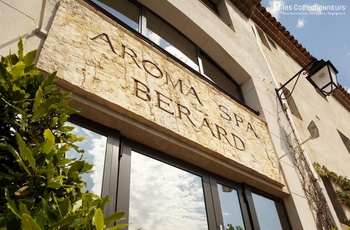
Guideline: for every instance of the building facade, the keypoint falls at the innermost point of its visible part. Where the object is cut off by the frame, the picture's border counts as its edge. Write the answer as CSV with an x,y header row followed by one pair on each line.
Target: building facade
x,y
179,106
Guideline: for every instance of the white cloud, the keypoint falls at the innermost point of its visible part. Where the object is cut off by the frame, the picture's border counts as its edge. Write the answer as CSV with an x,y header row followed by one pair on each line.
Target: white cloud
x,y
94,147
348,90
301,23
164,197
177,53
153,37
171,49
88,132
275,8
98,159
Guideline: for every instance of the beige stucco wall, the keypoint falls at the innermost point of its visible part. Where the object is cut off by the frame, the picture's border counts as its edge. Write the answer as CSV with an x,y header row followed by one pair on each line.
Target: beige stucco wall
x,y
328,114
23,19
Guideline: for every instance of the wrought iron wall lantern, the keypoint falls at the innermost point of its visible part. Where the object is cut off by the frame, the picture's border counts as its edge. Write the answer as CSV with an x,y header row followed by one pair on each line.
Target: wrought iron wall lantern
x,y
322,75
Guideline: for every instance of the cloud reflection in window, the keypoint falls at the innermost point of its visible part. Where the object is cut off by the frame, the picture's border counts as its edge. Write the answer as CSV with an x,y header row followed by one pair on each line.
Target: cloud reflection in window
x,y
171,49
164,197
95,147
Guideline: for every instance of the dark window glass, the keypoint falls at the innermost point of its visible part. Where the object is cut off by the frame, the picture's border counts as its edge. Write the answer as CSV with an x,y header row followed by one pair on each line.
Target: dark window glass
x,y
218,77
263,37
171,41
230,208
211,5
267,212
123,10
345,140
164,197
271,42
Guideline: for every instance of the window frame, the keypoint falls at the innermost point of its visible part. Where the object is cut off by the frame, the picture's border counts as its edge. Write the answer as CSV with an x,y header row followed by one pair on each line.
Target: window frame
x,y
111,165
123,198
211,5
214,180
280,207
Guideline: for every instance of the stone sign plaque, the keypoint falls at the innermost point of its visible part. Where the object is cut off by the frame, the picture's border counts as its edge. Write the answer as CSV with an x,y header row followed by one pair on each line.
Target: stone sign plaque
x,y
98,56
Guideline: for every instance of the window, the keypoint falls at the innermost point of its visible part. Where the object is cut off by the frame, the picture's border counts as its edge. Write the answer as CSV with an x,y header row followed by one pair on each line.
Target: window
x,y
164,197
271,42
291,103
331,189
220,8
345,140
94,147
267,212
211,5
170,40
263,37
101,148
217,76
230,207
161,192
123,10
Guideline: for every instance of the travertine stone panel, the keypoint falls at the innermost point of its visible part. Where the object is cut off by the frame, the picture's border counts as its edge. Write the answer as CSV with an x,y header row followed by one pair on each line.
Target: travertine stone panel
x,y
97,58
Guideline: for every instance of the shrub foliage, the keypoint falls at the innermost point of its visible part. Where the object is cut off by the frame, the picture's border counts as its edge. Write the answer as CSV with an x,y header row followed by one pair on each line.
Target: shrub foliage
x,y
39,187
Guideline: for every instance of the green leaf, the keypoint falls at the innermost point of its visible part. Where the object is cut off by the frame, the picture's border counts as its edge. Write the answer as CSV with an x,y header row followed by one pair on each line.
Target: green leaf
x,y
114,217
49,143
98,219
66,221
25,152
41,217
66,129
23,209
20,48
17,70
18,158
24,120
38,98
87,167
43,108
53,121
103,202
50,213
62,119
53,184
29,57
28,223
50,89
77,166
11,204
65,207
49,80
18,90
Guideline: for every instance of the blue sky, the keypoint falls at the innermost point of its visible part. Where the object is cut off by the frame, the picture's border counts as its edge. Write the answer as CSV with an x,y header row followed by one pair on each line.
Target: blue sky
x,y
320,26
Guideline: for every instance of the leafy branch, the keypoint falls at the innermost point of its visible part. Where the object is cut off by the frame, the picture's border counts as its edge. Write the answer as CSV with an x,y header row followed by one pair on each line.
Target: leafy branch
x,y
39,187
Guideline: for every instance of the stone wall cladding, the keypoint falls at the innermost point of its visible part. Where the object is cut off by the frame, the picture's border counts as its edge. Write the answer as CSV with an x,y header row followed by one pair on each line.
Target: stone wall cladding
x,y
137,80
